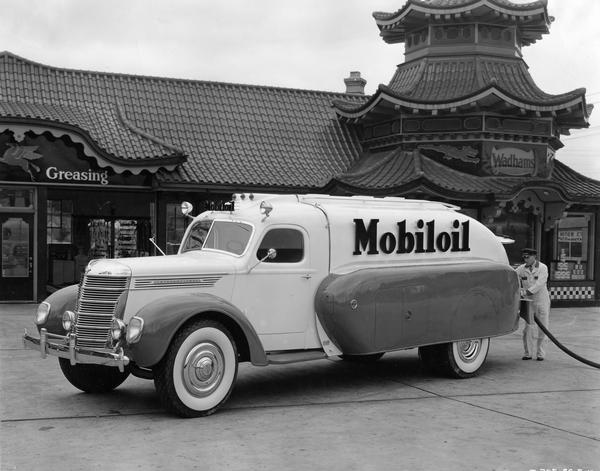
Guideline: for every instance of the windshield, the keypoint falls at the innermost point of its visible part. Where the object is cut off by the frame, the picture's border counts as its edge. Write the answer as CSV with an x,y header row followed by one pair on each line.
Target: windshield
x,y
227,236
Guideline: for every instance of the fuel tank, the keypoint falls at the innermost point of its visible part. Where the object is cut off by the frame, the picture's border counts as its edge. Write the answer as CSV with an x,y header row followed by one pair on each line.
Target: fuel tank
x,y
382,309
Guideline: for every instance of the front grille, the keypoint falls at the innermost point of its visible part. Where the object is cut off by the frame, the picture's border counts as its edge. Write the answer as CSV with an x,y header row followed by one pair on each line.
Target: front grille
x,y
97,301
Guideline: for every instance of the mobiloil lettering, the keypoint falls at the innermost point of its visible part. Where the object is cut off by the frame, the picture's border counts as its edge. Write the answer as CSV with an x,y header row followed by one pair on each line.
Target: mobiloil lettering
x,y
423,240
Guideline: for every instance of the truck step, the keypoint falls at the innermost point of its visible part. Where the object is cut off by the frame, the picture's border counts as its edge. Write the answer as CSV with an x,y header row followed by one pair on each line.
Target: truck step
x,y
293,357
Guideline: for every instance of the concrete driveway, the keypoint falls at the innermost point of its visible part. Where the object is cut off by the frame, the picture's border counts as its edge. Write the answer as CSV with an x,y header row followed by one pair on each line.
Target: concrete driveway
x,y
329,414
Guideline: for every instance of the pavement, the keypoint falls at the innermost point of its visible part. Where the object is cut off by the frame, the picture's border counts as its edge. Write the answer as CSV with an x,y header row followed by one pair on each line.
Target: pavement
x,y
327,414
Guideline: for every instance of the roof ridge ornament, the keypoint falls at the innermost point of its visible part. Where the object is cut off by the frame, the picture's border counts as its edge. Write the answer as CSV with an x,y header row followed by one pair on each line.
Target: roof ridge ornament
x,y
133,128
463,153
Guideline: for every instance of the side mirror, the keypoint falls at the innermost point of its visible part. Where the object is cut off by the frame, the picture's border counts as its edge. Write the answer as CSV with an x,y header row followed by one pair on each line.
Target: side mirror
x,y
271,254
187,208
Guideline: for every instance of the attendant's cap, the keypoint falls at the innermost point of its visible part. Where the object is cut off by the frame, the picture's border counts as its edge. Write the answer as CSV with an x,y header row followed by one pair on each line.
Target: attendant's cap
x,y
529,252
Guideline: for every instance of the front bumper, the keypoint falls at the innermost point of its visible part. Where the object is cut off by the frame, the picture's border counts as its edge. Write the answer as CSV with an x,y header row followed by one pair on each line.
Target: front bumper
x,y
63,346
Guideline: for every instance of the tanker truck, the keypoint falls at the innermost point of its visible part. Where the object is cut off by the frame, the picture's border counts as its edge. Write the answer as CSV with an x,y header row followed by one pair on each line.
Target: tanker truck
x,y
278,279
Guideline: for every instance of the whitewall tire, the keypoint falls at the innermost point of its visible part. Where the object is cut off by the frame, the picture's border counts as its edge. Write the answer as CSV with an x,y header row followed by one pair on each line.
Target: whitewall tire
x,y
198,372
461,359
465,357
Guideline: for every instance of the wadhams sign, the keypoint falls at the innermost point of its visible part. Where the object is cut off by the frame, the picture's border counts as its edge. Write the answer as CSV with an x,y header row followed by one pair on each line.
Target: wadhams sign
x,y
512,161
423,240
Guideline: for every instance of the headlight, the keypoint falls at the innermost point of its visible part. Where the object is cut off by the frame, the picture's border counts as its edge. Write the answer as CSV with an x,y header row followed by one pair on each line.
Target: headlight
x,y
134,329
68,318
42,313
117,329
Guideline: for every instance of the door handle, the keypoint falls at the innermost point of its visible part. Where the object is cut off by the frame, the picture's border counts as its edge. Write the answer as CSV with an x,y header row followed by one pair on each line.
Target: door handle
x,y
307,276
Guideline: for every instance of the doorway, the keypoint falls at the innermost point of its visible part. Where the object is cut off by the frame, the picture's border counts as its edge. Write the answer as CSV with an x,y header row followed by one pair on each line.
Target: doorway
x,y
16,273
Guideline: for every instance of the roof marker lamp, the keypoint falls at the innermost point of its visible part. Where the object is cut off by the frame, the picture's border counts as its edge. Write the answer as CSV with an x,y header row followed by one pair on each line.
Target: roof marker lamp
x,y
134,329
266,208
68,319
42,313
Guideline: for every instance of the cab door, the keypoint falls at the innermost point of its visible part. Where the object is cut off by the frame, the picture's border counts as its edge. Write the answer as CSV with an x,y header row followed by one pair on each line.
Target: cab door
x,y
278,294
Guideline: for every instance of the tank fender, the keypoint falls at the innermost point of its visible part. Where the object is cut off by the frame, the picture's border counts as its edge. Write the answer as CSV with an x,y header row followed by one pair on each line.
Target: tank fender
x,y
380,309
60,301
163,318
487,311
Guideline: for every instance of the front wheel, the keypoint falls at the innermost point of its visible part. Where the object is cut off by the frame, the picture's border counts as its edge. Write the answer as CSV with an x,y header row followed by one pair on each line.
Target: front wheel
x,y
461,359
92,378
198,372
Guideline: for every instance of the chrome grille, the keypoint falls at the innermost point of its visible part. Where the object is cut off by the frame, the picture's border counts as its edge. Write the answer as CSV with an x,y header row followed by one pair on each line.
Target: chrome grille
x,y
98,297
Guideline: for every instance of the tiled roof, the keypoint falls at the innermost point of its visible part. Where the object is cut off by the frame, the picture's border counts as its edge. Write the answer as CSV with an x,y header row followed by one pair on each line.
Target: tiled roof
x,y
402,171
443,83
453,79
240,136
232,134
531,19
453,4
579,187
125,146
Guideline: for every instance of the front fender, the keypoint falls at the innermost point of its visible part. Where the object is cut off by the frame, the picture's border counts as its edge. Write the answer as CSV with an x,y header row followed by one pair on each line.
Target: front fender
x,y
60,301
162,319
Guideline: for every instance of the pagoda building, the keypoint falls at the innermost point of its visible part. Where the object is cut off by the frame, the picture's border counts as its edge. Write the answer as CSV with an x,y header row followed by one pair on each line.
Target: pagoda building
x,y
96,164
462,120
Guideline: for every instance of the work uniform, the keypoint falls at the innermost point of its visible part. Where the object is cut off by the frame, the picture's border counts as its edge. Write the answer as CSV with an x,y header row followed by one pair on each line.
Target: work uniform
x,y
533,280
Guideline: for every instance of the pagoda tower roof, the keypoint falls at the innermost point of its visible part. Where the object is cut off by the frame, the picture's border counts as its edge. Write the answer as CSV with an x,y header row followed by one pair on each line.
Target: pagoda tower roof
x,y
439,85
464,56
531,18
399,171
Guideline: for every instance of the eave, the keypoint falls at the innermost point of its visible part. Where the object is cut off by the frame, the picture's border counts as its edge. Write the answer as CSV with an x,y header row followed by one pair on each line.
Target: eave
x,y
401,172
60,121
532,19
386,104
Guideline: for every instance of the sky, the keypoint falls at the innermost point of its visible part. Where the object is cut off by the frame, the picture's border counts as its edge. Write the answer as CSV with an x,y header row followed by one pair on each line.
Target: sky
x,y
306,44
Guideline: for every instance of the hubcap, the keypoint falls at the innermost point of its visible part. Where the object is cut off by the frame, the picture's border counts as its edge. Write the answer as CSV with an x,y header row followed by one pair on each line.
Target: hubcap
x,y
203,369
468,350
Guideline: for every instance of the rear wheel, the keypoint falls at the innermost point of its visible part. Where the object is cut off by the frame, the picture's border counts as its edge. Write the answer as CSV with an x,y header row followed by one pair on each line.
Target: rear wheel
x,y
92,378
461,359
198,372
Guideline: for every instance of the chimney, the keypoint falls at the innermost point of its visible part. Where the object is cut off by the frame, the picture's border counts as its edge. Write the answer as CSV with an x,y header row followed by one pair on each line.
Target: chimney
x,y
355,84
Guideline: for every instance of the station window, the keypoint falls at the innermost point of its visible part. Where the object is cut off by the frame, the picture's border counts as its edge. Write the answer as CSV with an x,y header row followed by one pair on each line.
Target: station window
x,y
60,221
16,198
289,244
176,225
573,248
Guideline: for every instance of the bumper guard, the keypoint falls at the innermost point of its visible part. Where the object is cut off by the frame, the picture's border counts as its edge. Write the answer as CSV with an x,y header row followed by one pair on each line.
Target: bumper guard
x,y
63,346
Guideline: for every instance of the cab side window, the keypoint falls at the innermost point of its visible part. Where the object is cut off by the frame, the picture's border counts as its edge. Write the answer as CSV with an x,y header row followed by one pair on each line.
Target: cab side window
x,y
289,244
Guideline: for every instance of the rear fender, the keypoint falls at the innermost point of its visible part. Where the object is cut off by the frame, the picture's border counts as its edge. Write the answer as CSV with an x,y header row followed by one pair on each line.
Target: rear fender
x,y
163,318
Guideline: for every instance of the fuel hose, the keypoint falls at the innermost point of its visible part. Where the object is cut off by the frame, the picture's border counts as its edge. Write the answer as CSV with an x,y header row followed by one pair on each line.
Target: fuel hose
x,y
563,348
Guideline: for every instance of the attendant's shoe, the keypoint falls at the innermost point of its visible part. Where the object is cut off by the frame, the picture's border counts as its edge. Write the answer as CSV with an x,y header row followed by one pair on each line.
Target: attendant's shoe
x,y
526,358
540,358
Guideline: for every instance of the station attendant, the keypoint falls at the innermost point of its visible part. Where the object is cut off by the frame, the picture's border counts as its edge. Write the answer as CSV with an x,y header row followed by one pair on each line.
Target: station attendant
x,y
534,275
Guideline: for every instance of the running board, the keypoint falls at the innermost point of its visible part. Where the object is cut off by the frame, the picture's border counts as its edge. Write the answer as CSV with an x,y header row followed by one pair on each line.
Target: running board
x,y
294,357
